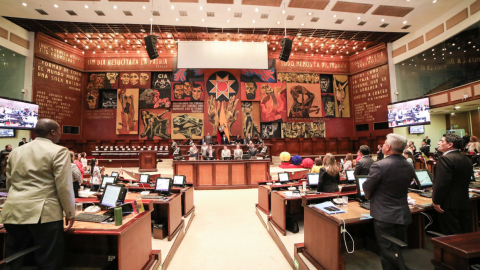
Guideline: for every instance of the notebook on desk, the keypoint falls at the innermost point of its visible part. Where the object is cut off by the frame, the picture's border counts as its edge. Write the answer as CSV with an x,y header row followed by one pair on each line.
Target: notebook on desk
x,y
328,208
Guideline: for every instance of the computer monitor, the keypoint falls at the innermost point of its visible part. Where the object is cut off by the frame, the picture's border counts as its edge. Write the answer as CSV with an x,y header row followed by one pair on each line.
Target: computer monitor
x,y
114,174
424,179
163,185
341,160
107,180
110,195
313,179
283,177
179,180
360,180
144,178
350,175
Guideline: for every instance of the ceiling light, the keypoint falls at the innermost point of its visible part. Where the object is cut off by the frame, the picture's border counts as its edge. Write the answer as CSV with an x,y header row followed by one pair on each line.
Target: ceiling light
x,y
24,4
309,13
334,16
86,6
283,11
144,7
86,47
93,52
228,20
55,5
383,20
278,22
151,19
302,24
78,41
358,18
253,21
457,107
256,10
176,19
228,9
110,46
404,22
203,20
201,7
172,7
434,1
115,7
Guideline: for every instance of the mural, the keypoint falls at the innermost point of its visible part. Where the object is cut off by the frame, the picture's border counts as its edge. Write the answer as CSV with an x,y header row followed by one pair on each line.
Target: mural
x,y
127,111
188,91
293,77
155,123
273,102
188,75
260,75
108,99
112,80
251,118
135,79
304,100
342,100
271,130
303,130
154,98
187,120
249,91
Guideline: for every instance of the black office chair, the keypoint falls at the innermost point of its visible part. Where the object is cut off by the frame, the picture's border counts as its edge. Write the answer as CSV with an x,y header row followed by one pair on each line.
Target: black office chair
x,y
410,259
16,260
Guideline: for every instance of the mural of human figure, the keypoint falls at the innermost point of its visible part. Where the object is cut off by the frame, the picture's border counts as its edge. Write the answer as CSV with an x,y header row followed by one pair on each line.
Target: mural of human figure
x,y
127,111
188,126
340,95
155,125
249,126
302,107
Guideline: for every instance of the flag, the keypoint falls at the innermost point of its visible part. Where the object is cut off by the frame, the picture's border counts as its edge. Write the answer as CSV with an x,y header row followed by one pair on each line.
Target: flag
x,y
223,121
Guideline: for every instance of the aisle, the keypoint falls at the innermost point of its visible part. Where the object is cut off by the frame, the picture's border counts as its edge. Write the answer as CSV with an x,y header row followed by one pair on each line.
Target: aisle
x,y
226,234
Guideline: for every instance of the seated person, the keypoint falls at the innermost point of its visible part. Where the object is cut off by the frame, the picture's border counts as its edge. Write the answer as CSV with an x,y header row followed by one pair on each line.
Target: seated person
x,y
238,153
189,142
238,140
226,152
318,165
210,153
329,174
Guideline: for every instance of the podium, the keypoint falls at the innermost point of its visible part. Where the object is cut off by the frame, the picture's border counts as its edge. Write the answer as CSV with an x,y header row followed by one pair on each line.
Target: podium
x,y
147,161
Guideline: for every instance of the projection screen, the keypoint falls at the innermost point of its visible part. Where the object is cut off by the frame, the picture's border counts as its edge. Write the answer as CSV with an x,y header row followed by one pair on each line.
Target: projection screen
x,y
222,55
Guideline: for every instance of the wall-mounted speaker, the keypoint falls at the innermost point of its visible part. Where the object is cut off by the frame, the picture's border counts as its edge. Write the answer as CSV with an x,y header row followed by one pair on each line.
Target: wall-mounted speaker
x,y
286,45
150,43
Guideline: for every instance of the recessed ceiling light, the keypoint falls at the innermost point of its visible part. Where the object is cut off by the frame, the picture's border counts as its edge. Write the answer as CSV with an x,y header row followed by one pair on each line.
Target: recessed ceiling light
x,y
334,16
404,22
151,19
24,4
383,20
256,10
228,9
203,20
176,19
253,21
93,52
55,5
302,24
228,20
86,6
457,107
434,1
201,7
358,18
278,22
172,7
115,7
309,13
283,11
144,7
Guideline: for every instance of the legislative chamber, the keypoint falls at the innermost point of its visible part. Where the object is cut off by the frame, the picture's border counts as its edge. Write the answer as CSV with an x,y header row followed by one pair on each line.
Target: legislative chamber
x,y
269,134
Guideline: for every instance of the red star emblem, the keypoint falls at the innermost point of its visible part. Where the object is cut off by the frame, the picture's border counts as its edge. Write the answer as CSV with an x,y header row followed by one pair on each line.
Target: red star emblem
x,y
222,87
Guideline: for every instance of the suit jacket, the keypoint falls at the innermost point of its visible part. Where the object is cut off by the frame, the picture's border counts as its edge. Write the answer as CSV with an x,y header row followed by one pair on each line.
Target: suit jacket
x,y
214,155
39,184
387,188
21,143
425,149
363,165
380,155
226,153
225,140
328,183
252,151
238,153
207,139
450,183
248,139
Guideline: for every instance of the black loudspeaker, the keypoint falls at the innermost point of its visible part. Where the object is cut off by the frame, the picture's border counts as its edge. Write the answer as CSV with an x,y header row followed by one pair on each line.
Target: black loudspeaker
x,y
286,49
150,43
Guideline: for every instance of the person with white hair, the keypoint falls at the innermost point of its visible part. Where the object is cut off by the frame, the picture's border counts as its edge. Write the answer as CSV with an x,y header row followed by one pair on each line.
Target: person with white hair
x,y
387,187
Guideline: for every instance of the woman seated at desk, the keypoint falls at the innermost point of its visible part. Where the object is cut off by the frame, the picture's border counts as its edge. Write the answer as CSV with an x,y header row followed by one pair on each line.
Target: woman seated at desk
x,y
318,165
329,175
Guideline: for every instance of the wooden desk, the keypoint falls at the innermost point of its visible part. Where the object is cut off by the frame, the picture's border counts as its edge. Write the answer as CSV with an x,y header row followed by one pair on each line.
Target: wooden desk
x,y
219,147
283,206
169,209
147,161
223,174
456,251
91,244
264,195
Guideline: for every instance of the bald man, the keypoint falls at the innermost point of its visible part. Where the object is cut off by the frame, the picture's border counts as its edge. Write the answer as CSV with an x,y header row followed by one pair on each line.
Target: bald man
x,y
40,191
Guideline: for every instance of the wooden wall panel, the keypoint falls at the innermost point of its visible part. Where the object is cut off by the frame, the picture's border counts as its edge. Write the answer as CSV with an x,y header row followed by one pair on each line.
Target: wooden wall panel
x,y
475,117
3,33
331,146
307,147
19,41
438,99
188,171
434,32
399,50
221,174
293,146
238,174
344,146
319,147
205,171
458,18
415,43
459,94
258,172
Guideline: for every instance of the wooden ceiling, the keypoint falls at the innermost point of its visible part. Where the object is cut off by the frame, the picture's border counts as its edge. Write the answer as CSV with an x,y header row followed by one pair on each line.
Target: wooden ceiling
x,y
123,38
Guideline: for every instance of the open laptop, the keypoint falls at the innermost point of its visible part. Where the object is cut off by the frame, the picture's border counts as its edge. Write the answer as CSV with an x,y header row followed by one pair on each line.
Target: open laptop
x,y
360,193
111,196
424,181
114,174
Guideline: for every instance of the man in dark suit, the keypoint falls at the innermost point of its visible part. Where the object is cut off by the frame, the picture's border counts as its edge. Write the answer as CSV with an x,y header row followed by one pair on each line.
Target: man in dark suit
x,y
24,141
225,139
380,154
427,140
450,187
207,139
211,155
425,149
248,138
466,139
387,187
363,164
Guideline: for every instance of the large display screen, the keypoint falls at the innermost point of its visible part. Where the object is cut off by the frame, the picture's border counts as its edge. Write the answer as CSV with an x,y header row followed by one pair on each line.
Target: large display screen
x,y
409,113
417,129
18,114
7,133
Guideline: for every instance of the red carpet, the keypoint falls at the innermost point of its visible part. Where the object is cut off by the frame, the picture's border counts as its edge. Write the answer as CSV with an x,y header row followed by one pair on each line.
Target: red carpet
x,y
290,166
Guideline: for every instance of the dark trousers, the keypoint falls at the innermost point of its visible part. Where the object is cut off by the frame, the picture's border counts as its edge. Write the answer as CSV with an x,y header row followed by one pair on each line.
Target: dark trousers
x,y
49,236
76,187
386,247
454,221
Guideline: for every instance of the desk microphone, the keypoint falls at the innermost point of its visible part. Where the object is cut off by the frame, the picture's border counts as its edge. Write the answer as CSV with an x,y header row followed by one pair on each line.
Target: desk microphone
x,y
144,192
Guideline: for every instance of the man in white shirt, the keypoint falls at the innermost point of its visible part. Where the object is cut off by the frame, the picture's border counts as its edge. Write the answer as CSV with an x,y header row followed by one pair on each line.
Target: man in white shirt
x,y
238,153
226,152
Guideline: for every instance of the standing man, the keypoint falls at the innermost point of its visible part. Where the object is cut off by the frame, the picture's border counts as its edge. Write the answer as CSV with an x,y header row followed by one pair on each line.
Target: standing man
x,y
24,141
238,153
203,149
362,167
211,153
386,187
226,153
5,152
248,139
425,149
193,151
225,139
79,164
452,175
40,191
427,140
207,139
380,154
